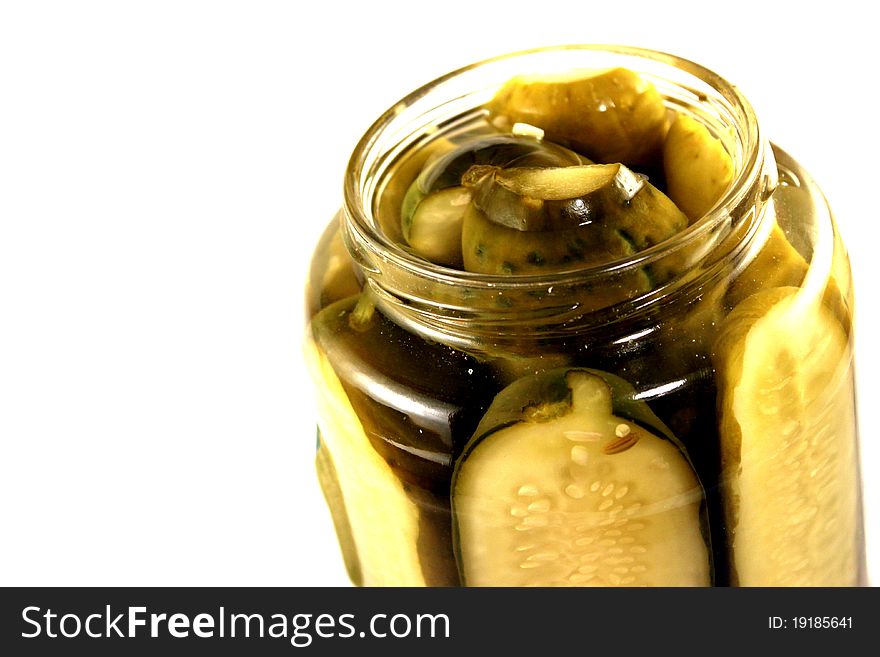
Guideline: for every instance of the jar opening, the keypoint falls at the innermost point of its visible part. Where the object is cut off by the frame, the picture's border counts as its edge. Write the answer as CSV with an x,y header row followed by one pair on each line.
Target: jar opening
x,y
444,105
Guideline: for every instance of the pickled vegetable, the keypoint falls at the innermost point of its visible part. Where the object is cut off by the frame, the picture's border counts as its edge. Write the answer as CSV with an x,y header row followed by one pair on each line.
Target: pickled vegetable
x,y
788,442
567,482
580,216
416,403
372,495
608,115
446,169
777,264
399,180
331,275
520,457
329,481
492,249
561,183
698,169
434,232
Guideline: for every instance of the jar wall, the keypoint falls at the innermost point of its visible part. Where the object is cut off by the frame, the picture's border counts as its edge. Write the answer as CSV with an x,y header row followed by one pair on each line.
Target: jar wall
x,y
748,366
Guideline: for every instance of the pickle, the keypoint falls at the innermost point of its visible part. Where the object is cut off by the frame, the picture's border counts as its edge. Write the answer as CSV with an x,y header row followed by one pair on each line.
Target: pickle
x,y
698,169
442,212
329,481
552,198
777,264
373,498
331,274
611,115
399,180
489,248
568,482
559,183
447,167
434,232
620,214
788,442
414,403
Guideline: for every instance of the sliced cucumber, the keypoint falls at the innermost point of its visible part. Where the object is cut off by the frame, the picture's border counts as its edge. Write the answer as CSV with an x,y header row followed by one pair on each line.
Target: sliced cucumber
x,y
558,183
395,186
565,484
698,169
434,231
329,481
373,498
788,442
611,115
394,408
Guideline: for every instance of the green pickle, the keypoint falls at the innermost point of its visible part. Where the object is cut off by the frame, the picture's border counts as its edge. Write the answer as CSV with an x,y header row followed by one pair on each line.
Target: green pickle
x,y
568,482
595,368
411,413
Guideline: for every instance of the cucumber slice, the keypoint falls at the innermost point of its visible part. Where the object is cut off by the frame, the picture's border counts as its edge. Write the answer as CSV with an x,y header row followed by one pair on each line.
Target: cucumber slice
x,y
698,168
373,497
564,484
329,481
558,183
434,231
414,403
611,115
788,442
395,186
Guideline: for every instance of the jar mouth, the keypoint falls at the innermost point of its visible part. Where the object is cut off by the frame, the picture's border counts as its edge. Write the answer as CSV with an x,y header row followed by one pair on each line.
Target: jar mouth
x,y
685,87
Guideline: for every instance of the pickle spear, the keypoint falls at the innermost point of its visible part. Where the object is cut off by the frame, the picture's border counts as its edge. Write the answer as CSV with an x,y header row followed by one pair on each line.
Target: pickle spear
x,y
329,481
568,482
396,407
373,497
698,169
788,442
611,115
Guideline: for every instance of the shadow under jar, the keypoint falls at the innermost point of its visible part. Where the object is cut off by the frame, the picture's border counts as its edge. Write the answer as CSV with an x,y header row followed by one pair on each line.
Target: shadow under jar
x,y
680,415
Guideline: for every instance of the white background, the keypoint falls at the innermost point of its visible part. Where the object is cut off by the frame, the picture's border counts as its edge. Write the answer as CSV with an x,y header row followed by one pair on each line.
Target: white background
x,y
165,169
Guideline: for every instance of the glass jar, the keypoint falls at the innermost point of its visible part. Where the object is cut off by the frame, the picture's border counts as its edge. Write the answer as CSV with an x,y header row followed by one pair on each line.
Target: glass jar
x,y
580,428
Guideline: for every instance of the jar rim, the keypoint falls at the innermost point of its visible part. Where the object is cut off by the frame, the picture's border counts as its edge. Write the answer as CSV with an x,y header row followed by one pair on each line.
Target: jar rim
x,y
746,179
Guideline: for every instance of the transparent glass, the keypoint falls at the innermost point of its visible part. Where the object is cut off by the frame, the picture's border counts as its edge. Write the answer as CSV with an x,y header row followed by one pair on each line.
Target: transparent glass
x,y
573,428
